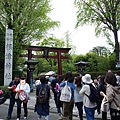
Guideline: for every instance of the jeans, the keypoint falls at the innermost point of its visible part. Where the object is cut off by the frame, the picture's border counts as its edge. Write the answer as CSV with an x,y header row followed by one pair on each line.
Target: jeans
x,y
90,113
11,105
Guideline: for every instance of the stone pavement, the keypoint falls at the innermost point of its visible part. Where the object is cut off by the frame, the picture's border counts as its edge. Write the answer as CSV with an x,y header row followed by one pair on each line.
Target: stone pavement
x,y
53,109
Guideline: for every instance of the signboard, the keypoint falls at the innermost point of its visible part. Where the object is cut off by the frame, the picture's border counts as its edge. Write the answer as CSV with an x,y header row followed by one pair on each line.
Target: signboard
x,y
8,57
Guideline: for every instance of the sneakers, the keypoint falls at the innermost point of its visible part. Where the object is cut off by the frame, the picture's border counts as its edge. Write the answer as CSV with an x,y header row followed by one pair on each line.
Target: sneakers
x,y
18,119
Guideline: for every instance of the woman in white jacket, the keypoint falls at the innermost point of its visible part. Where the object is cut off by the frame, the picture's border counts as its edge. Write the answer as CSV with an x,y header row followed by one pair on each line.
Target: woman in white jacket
x,y
23,89
89,107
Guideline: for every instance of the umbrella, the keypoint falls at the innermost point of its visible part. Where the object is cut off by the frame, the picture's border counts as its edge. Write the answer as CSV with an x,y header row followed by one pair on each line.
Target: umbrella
x,y
50,73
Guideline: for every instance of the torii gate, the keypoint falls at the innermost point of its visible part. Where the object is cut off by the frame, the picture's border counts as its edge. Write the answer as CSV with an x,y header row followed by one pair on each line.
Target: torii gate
x,y
46,50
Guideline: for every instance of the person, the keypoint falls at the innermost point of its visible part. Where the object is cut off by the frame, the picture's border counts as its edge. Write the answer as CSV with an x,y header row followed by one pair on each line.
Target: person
x,y
42,108
89,106
112,95
1,91
78,99
37,82
24,89
118,78
102,87
67,109
58,93
13,84
53,84
95,82
52,77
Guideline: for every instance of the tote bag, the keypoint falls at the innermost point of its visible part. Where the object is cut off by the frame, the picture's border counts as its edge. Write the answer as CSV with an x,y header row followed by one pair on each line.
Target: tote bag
x,y
65,93
105,106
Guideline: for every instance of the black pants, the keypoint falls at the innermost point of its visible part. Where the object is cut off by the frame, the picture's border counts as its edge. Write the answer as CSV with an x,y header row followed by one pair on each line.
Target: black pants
x,y
115,114
79,106
104,115
19,108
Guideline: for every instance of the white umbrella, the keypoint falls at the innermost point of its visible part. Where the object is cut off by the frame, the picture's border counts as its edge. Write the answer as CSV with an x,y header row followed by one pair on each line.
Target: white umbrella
x,y
50,73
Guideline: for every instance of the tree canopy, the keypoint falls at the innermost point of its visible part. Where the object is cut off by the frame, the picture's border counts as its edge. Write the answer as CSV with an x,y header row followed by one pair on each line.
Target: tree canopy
x,y
103,14
29,20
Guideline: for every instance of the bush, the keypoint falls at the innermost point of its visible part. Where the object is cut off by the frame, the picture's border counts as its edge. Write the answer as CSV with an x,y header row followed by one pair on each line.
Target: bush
x,y
6,91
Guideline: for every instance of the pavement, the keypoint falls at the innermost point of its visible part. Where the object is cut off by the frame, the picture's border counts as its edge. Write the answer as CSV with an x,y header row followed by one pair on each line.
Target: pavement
x,y
53,109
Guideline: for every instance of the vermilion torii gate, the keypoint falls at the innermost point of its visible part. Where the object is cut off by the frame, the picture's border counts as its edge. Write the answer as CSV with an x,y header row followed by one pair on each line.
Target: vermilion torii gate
x,y
46,51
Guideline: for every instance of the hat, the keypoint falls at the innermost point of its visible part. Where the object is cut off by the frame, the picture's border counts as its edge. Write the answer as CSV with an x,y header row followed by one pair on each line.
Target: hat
x,y
87,79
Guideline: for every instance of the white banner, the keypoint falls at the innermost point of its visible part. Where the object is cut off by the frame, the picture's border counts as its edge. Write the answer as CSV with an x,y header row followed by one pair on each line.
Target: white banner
x,y
8,57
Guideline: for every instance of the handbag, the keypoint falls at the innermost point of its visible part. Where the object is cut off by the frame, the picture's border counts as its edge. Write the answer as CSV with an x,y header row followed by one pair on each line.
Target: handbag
x,y
66,93
105,106
16,95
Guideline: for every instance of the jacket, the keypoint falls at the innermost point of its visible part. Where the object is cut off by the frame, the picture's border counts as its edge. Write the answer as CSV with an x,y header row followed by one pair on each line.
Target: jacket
x,y
86,102
113,96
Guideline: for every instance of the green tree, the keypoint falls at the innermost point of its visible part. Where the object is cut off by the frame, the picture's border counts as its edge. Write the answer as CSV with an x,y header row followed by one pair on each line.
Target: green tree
x,y
68,42
29,20
101,51
103,14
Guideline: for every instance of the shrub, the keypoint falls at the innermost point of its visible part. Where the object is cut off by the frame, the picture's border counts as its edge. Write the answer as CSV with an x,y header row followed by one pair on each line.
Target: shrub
x,y
6,91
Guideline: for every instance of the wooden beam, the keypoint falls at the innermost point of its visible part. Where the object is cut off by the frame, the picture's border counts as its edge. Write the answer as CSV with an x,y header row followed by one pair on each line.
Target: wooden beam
x,y
40,56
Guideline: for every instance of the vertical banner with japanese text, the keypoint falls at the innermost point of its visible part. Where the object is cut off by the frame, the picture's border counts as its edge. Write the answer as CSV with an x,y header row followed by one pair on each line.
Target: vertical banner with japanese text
x,y
8,57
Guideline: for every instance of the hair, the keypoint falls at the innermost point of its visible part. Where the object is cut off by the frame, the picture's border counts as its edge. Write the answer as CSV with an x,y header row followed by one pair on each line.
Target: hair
x,y
17,76
60,78
102,79
111,79
78,81
69,77
42,79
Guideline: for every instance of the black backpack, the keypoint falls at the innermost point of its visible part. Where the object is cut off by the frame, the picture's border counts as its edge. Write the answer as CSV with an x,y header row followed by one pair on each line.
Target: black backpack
x,y
94,94
42,97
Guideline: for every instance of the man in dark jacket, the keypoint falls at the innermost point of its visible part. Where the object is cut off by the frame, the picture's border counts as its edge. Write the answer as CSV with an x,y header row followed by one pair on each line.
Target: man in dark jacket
x,y
12,86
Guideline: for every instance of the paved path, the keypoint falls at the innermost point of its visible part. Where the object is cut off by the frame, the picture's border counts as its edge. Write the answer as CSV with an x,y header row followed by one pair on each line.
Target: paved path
x,y
53,109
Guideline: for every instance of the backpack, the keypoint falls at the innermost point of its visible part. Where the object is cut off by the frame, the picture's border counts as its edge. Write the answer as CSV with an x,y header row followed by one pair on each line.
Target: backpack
x,y
57,87
94,94
66,93
42,97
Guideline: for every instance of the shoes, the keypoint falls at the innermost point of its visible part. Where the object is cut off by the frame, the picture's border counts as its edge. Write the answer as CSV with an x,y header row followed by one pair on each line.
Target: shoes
x,y
25,118
8,117
18,119
59,114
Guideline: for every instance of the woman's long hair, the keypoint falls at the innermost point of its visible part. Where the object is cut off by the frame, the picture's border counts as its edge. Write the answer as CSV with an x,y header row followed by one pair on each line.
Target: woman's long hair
x,y
69,77
110,78
78,81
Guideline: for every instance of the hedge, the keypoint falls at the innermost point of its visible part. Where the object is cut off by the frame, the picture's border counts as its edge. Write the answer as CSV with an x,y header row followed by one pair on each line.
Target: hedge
x,y
6,91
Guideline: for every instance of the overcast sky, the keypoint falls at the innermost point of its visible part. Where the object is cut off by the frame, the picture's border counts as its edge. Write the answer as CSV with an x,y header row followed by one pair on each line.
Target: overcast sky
x,y
84,37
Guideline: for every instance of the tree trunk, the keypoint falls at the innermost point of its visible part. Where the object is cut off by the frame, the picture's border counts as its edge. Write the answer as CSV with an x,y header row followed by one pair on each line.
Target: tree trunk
x,y
116,45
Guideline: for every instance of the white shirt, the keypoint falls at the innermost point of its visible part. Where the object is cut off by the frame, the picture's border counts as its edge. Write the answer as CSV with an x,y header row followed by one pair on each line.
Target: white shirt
x,y
24,87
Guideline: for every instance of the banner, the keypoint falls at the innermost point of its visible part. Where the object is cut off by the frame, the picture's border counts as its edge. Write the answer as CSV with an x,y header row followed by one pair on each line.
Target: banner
x,y
8,57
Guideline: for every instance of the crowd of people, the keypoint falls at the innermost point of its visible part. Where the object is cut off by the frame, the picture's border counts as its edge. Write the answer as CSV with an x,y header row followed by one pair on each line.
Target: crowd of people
x,y
107,86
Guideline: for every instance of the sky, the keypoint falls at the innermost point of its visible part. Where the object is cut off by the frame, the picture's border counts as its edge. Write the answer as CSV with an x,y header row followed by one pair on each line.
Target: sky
x,y
83,38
